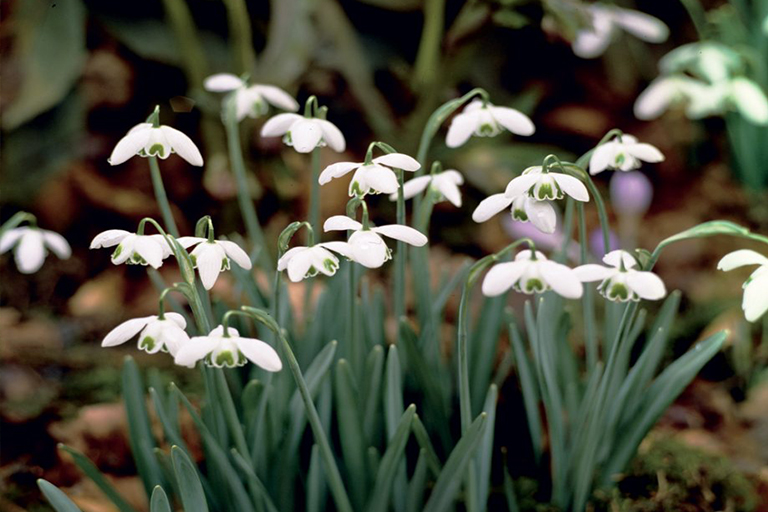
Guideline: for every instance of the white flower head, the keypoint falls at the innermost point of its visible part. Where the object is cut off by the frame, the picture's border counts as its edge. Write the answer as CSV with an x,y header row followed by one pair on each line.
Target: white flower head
x,y
250,100
623,153
668,91
155,333
366,246
229,351
524,208
153,139
486,120
530,274
607,20
714,62
376,177
304,133
444,184
304,262
621,282
755,301
134,249
546,185
31,245
212,258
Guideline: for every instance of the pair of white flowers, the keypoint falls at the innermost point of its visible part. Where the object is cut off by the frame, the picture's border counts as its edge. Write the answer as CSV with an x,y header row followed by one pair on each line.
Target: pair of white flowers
x,y
605,23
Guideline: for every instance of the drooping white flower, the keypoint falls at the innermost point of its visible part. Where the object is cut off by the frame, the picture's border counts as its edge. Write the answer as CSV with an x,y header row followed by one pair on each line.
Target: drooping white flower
x,y
250,100
145,140
366,246
134,249
486,120
524,209
31,247
532,274
623,153
445,184
620,281
546,186
304,133
227,351
714,62
374,178
304,262
211,258
155,334
607,20
755,301
668,91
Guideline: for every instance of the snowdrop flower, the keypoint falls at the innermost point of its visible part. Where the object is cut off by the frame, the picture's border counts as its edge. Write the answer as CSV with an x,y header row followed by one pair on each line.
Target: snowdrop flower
x,y
621,282
250,101
668,91
524,208
546,185
374,177
304,133
623,153
304,262
230,350
212,257
711,61
607,20
155,333
366,246
31,247
531,274
755,301
134,249
444,184
486,120
146,139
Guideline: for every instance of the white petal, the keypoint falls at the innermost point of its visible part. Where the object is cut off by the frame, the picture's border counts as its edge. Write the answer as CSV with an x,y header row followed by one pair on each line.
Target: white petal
x,y
336,170
174,338
57,243
260,353
299,265
320,257
645,152
403,233
342,248
453,176
164,243
126,247
589,273
150,250
277,97
521,184
614,257
30,252
10,238
182,145
282,263
177,319
740,258
279,124
209,258
108,238
341,223
647,285
306,134
571,186
236,253
381,179
413,187
490,206
368,249
656,98
501,277
750,100
513,120
332,135
602,158
129,145
398,161
449,189
194,350
188,241
592,42
755,302
641,25
462,127
542,215
561,279
126,331
222,82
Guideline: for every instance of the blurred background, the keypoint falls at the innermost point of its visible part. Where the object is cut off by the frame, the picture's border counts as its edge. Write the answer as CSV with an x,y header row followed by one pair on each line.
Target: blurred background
x,y
77,74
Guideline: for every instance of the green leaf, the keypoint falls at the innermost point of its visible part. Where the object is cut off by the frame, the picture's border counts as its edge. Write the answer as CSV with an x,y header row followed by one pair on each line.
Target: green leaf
x,y
192,495
390,463
92,472
159,501
483,346
350,432
172,436
58,500
254,481
422,437
316,489
393,394
509,492
485,457
418,484
374,369
529,388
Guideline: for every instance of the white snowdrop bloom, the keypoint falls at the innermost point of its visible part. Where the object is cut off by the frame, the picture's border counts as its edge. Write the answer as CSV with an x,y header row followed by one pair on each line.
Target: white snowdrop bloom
x,y
304,133
712,61
623,153
134,249
486,120
155,334
304,262
546,186
145,140
250,100
532,274
366,246
445,184
211,258
620,281
374,178
229,351
31,246
524,208
668,91
755,301
607,20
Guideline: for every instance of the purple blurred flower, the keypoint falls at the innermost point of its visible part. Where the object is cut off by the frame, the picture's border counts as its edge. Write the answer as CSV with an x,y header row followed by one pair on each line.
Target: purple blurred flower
x,y
543,241
631,193
597,245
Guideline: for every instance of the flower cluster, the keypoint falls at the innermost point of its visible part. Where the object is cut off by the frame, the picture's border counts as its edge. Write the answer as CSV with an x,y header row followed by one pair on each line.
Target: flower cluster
x,y
605,22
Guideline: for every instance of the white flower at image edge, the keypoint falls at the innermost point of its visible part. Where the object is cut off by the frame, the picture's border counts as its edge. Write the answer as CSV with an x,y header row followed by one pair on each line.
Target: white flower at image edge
x,y
755,301
132,248
250,100
376,177
212,258
445,184
532,275
304,133
366,247
145,140
486,120
31,246
622,285
524,208
154,334
304,262
624,153
607,20
230,351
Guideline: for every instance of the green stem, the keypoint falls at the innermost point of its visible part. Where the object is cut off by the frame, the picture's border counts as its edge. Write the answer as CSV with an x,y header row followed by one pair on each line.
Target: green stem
x,y
355,344
230,413
605,226
400,257
698,16
161,197
314,222
428,56
240,33
589,298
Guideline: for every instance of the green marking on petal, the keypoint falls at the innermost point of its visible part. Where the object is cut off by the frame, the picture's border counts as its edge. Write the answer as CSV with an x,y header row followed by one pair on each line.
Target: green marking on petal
x,y
519,214
330,265
117,252
533,285
617,291
157,149
486,130
225,358
545,191
147,343
620,159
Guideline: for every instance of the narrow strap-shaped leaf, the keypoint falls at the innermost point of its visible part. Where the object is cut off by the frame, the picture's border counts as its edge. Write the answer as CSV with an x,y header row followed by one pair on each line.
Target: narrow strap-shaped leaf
x,y
255,481
423,373
192,495
350,432
418,484
422,437
390,462
58,500
393,394
313,376
486,449
92,472
172,436
316,489
529,388
159,501
509,492
373,459
374,370
483,347
448,288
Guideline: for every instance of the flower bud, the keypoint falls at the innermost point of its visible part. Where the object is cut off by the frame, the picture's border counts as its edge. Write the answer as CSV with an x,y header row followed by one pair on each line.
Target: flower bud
x,y
631,193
